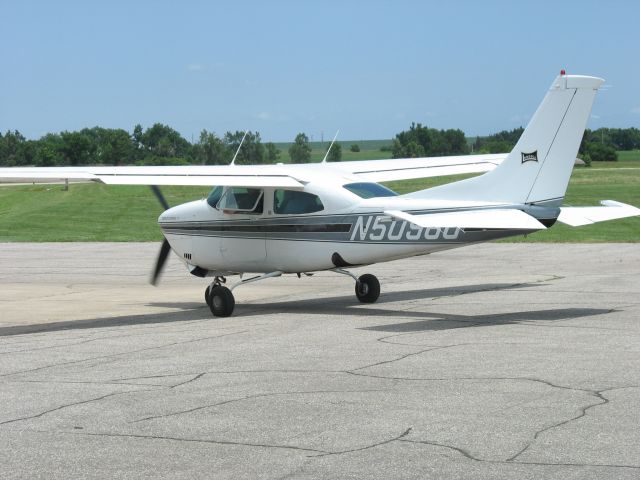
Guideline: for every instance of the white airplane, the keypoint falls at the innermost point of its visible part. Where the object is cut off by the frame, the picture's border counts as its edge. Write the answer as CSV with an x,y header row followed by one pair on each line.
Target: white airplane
x,y
271,220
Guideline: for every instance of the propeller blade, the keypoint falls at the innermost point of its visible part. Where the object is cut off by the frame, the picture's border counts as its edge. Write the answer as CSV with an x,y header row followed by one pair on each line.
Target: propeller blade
x,y
162,258
160,196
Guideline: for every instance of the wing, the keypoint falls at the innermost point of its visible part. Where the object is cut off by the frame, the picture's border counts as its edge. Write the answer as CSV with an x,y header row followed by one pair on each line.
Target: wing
x,y
207,175
611,210
277,176
410,168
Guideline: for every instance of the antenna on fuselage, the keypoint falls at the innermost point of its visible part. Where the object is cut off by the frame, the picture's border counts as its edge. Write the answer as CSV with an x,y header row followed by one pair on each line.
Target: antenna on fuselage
x,y
324,160
239,147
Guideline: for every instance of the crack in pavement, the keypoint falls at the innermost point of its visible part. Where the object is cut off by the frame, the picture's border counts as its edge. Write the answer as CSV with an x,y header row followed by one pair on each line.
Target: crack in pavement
x,y
402,357
599,394
152,331
367,447
115,355
196,440
250,397
61,407
88,382
469,456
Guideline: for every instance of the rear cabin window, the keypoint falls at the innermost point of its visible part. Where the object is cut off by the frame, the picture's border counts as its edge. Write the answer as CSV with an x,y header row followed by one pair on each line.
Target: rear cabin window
x,y
293,202
241,200
369,190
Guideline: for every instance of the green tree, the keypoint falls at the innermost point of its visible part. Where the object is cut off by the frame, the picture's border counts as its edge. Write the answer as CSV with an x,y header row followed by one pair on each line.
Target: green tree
x,y
272,152
300,150
163,141
77,148
600,153
115,147
15,149
355,148
500,142
211,150
252,151
335,152
421,141
48,150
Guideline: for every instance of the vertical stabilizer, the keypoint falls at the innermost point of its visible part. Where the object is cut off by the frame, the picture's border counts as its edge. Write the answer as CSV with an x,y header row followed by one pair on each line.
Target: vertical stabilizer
x,y
538,168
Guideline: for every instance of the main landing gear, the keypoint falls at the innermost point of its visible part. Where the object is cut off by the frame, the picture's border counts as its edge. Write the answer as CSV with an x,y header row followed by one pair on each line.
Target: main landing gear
x,y
367,286
221,302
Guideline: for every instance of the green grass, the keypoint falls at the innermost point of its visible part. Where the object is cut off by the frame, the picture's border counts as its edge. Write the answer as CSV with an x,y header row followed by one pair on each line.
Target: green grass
x,y
631,155
87,212
369,150
96,212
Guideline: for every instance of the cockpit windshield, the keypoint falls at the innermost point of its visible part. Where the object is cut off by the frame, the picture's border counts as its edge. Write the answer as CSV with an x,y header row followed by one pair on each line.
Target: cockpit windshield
x,y
369,190
214,196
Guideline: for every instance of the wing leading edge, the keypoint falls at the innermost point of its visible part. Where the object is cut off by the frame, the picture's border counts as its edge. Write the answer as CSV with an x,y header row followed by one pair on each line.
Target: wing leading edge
x,y
283,176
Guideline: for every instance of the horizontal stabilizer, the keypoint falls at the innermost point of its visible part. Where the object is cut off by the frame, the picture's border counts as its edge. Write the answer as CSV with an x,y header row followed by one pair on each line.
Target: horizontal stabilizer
x,y
577,216
492,218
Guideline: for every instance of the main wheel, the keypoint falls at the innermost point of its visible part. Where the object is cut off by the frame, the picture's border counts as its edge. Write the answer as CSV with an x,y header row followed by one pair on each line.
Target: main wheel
x,y
221,301
368,288
207,295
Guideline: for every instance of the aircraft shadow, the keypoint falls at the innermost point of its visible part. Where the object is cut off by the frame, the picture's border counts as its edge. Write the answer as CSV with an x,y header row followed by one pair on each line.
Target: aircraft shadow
x,y
344,305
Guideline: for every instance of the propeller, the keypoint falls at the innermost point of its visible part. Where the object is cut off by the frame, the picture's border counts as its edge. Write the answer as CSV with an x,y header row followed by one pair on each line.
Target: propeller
x,y
165,248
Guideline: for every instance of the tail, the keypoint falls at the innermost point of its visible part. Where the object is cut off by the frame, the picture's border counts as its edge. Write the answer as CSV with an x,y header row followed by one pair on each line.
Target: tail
x,y
538,168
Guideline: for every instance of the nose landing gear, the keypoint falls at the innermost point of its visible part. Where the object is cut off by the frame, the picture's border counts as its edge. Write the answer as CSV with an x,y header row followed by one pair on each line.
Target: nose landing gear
x,y
220,299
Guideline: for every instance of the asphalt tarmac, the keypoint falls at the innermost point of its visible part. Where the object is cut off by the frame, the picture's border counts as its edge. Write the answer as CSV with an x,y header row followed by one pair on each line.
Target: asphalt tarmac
x,y
492,361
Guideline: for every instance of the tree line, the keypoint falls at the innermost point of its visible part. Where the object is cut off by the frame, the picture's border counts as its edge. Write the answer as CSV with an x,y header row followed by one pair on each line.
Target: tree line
x,y
599,145
162,145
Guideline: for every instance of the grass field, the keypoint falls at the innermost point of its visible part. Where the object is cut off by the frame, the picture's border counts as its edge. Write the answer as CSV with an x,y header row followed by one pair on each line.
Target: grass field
x,y
369,150
96,212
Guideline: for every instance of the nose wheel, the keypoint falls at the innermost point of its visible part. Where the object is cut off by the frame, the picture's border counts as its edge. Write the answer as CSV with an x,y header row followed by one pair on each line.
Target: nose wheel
x,y
219,298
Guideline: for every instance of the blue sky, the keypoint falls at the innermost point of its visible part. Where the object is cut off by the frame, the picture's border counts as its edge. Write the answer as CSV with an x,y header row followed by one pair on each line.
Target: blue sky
x,y
368,68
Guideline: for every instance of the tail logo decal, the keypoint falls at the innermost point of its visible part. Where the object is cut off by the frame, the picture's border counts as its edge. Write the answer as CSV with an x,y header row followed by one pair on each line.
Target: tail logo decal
x,y
529,157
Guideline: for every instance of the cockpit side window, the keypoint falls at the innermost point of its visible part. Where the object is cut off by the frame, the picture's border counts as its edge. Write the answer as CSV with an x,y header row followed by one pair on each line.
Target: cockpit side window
x,y
369,190
241,200
294,202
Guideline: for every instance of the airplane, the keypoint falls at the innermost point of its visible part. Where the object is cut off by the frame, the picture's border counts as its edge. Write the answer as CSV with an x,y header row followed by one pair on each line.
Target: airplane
x,y
272,220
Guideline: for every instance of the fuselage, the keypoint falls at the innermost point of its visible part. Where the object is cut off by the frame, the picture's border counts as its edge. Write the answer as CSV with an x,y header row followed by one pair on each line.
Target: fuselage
x,y
327,224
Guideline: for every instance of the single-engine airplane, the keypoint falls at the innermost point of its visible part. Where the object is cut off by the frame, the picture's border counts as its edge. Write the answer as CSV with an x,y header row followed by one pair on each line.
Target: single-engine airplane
x,y
271,220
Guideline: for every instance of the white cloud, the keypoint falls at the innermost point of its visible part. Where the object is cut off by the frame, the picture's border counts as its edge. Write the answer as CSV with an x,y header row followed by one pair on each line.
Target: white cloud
x,y
635,109
195,67
269,116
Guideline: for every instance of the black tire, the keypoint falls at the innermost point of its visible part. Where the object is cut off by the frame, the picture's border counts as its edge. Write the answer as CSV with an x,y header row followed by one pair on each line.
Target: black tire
x,y
221,301
207,295
367,288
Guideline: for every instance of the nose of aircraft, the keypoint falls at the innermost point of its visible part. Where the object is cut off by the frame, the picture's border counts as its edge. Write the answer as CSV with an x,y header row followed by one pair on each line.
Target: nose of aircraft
x,y
181,213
